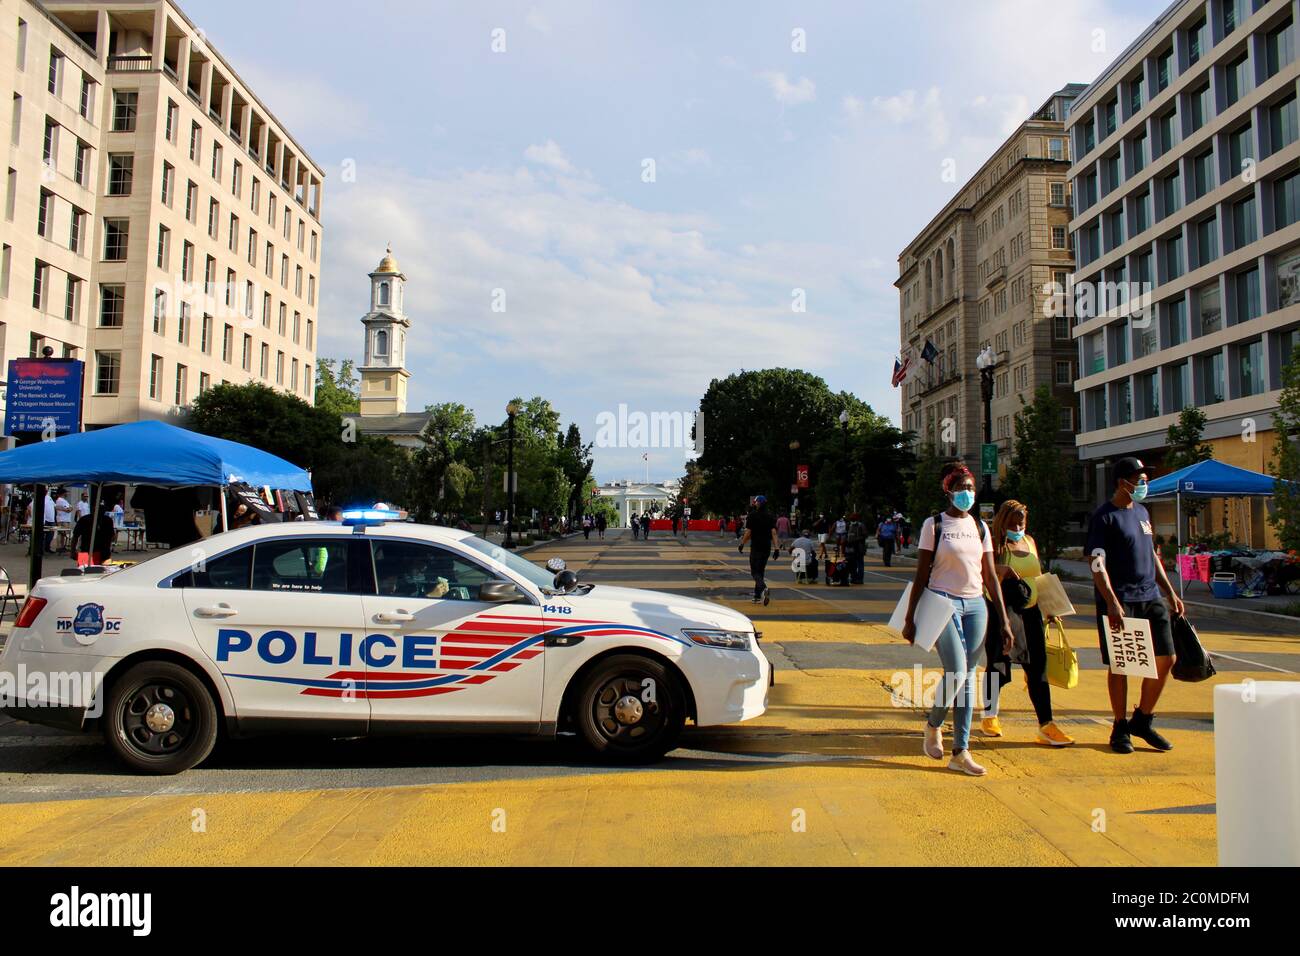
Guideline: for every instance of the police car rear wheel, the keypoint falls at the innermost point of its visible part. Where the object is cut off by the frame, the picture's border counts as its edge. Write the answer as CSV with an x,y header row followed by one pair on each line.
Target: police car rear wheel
x,y
630,709
160,718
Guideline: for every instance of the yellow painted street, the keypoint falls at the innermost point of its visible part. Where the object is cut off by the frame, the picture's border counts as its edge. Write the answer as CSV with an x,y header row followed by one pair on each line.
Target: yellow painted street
x,y
833,773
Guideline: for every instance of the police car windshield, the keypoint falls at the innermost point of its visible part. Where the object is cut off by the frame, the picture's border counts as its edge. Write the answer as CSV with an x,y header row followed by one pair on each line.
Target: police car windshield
x,y
521,566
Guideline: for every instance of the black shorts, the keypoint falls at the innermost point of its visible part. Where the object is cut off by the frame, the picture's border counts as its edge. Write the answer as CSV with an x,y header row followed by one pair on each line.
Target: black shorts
x,y
1154,612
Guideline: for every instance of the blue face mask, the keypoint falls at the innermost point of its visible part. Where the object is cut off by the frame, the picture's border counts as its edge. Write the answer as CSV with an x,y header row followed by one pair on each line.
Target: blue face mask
x,y
1015,535
1139,492
963,500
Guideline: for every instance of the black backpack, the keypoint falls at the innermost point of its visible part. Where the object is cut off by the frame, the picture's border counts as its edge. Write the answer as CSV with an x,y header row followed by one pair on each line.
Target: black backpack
x,y
1192,663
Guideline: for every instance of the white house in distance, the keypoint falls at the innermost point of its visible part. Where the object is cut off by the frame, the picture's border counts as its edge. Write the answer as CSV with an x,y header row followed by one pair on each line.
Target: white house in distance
x,y
638,498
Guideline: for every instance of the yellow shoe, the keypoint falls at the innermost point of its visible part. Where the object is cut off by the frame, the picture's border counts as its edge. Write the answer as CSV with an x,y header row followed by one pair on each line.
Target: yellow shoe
x,y
991,726
1051,734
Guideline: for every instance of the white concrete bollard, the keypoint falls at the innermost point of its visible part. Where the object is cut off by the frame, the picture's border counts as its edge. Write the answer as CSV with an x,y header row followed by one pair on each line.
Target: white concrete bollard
x,y
1257,772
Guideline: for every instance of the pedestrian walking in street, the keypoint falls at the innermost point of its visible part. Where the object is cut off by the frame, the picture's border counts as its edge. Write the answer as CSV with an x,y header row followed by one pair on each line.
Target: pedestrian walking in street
x,y
722,527
760,535
676,520
1128,578
819,528
600,525
635,523
855,547
841,530
645,526
955,560
783,531
1015,556
740,526
586,527
886,535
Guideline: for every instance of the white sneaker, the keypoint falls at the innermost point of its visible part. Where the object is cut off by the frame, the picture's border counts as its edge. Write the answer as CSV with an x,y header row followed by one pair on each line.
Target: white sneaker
x,y
964,762
933,745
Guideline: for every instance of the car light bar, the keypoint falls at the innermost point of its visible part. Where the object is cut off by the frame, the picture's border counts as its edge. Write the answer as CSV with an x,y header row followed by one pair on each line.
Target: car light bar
x,y
371,516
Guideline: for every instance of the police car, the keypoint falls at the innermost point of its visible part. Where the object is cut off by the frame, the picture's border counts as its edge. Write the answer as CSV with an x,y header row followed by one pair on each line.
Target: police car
x,y
369,626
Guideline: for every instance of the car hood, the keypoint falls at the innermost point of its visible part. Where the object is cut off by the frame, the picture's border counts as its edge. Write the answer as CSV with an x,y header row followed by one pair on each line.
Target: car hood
x,y
659,609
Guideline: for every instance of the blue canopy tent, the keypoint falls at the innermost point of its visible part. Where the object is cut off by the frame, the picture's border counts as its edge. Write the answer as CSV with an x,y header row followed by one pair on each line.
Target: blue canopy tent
x,y
1211,479
149,453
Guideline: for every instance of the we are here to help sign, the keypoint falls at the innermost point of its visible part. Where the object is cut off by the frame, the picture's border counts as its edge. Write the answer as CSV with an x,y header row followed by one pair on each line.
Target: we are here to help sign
x,y
1131,651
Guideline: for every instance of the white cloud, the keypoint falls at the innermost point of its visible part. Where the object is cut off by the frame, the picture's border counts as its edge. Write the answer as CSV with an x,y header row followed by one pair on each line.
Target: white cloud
x,y
537,20
908,107
788,93
549,155
853,107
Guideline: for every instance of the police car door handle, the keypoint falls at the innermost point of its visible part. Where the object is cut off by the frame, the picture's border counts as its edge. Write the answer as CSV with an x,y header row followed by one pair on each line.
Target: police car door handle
x,y
394,617
215,610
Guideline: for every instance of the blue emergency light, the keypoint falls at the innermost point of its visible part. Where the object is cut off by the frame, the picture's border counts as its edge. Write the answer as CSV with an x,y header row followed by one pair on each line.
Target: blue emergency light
x,y
364,517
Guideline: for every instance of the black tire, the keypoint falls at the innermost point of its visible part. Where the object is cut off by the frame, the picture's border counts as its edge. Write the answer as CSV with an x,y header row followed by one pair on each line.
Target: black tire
x,y
659,717
183,703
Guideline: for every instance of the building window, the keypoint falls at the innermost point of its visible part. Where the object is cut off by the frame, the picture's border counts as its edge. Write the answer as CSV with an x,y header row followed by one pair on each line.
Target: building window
x,y
40,285
205,336
164,246
108,372
155,377
1058,237
1207,241
1201,108
1282,123
1280,47
168,181
1063,375
1196,35
1235,13
116,236
173,113
187,261
1244,230
1288,277
246,358
1203,173
87,101
72,299
1238,74
44,205
76,228
50,145
191,202
196,141
124,110
80,166
182,375
159,312
1286,201
228,344
121,167
1246,296
183,324
112,306
1164,69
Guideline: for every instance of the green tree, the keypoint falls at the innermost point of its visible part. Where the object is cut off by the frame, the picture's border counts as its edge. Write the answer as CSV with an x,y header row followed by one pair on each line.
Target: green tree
x,y
750,420
337,392
1038,474
441,473
925,494
576,462
1285,465
1184,439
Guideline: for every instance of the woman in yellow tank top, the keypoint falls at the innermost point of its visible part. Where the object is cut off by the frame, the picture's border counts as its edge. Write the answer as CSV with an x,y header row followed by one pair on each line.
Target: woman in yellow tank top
x,y
1016,555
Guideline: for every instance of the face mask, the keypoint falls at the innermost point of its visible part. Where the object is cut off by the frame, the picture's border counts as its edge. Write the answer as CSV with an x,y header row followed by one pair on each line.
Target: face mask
x,y
963,500
1015,535
1139,491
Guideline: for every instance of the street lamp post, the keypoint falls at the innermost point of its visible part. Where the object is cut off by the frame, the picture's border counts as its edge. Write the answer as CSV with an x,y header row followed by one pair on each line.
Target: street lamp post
x,y
511,411
844,431
985,363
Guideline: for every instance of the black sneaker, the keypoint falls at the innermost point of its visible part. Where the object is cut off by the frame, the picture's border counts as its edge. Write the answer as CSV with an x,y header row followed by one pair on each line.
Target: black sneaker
x,y
1140,725
1120,742
767,596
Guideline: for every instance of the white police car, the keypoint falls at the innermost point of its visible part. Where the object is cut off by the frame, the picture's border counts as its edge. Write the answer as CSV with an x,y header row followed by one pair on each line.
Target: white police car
x,y
366,627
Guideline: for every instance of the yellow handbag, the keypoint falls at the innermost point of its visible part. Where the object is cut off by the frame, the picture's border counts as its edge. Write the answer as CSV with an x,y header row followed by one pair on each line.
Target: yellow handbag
x,y
1062,662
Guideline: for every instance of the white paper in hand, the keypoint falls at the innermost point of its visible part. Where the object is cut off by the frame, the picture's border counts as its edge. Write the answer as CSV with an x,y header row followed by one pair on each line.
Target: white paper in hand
x,y
933,612
1131,651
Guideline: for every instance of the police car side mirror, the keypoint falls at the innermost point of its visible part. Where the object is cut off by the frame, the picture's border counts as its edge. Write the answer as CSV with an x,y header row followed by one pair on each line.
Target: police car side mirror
x,y
566,580
499,592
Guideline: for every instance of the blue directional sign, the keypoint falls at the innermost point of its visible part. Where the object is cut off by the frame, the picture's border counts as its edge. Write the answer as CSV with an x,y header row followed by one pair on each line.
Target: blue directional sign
x,y
44,395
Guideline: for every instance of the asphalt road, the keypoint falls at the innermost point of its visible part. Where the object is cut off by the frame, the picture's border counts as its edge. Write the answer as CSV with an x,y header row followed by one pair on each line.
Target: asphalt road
x,y
831,774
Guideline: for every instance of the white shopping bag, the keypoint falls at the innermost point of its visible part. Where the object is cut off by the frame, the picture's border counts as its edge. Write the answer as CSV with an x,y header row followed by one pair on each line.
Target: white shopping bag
x,y
1131,650
933,612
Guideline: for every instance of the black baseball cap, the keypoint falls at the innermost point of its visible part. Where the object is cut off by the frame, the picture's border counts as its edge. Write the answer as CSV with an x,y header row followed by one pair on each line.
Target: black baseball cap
x,y
1126,468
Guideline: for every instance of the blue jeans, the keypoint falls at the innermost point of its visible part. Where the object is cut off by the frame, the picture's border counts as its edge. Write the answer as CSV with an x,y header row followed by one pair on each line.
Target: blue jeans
x,y
959,647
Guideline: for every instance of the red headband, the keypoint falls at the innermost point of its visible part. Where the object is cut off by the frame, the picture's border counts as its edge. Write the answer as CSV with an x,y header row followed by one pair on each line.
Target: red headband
x,y
959,473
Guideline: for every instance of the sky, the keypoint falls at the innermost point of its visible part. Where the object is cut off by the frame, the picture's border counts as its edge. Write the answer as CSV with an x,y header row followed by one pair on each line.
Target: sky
x,y
612,203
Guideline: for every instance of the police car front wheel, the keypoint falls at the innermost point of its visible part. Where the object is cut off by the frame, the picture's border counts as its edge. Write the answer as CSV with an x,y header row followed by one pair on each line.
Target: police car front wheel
x,y
630,709
160,718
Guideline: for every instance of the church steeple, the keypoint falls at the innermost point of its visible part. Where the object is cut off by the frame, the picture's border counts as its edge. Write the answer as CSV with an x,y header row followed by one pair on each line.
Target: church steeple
x,y
383,370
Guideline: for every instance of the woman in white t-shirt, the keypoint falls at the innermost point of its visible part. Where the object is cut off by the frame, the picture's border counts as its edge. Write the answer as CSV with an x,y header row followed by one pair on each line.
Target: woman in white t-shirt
x,y
957,563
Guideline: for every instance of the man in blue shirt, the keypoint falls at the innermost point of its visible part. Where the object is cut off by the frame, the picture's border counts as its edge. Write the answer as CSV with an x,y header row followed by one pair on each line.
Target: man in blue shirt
x,y
1128,577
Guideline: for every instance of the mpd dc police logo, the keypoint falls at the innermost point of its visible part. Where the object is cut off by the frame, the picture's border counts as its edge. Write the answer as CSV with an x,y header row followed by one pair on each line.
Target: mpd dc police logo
x,y
89,622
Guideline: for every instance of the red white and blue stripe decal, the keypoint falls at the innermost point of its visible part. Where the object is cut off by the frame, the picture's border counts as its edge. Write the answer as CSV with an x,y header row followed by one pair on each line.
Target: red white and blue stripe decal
x,y
475,652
